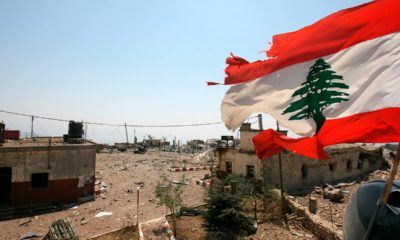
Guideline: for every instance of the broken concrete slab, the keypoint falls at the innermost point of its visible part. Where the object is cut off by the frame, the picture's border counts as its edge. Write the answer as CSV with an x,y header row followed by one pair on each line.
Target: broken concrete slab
x,y
30,235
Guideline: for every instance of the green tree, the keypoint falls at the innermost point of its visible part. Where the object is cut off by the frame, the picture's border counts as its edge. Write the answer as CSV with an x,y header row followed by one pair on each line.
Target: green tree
x,y
320,90
224,218
169,194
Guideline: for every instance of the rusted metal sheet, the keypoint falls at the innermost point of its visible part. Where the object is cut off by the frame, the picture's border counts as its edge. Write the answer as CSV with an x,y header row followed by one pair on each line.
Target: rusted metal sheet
x,y
12,134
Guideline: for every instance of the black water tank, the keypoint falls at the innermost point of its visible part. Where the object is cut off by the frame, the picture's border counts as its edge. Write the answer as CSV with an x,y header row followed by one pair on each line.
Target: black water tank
x,y
2,132
75,129
361,207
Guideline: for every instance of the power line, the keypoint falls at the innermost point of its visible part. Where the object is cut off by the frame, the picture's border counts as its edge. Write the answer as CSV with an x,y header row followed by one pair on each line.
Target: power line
x,y
116,125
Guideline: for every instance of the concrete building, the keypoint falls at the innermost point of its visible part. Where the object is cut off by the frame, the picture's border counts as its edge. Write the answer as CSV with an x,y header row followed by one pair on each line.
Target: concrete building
x,y
240,160
152,143
47,170
347,161
195,143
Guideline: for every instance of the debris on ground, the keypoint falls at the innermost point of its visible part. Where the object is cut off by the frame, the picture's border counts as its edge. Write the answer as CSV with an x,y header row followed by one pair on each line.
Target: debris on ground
x,y
30,235
84,221
185,211
333,194
179,182
140,184
333,211
102,214
61,229
26,222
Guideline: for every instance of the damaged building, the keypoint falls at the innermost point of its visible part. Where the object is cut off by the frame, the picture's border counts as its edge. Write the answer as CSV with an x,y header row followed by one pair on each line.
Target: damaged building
x,y
348,161
47,170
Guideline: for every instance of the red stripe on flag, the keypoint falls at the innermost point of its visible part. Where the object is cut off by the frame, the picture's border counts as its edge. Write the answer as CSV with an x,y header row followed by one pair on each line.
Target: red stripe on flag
x,y
379,126
270,142
212,83
334,33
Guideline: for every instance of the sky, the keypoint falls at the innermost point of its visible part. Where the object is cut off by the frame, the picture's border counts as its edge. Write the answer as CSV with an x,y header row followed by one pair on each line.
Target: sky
x,y
135,62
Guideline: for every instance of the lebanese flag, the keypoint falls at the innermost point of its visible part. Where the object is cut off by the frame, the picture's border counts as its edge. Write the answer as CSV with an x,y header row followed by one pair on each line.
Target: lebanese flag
x,y
335,81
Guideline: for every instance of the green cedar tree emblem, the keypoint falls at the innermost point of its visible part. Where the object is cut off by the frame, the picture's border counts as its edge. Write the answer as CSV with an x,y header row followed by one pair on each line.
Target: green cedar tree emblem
x,y
320,90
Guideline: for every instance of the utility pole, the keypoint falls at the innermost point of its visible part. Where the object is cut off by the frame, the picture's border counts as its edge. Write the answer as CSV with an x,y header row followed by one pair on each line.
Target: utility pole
x,y
283,202
126,133
33,117
260,125
137,205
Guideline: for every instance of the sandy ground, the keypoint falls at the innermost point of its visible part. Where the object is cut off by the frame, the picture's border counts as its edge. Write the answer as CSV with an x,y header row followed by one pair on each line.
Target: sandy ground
x,y
270,231
190,228
119,172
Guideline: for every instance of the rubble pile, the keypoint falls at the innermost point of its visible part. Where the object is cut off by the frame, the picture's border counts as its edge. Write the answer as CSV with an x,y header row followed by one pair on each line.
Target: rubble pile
x,y
331,201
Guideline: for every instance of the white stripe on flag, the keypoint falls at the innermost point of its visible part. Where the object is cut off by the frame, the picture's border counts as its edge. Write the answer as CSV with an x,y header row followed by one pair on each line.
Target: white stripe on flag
x,y
370,69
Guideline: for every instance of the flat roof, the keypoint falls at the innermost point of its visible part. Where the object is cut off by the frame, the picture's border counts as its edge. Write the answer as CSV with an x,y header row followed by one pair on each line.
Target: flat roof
x,y
42,142
365,146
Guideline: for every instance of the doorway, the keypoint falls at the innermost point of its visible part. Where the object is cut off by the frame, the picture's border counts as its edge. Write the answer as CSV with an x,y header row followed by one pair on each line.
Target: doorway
x,y
5,185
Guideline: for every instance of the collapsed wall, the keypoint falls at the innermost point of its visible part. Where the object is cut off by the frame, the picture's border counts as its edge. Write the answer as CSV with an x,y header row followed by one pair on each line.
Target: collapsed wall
x,y
348,161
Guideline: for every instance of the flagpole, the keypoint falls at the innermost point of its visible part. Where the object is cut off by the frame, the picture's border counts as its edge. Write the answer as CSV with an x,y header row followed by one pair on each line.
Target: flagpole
x,y
384,198
283,203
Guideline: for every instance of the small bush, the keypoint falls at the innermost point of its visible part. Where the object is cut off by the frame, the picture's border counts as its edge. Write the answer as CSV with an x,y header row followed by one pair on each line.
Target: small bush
x,y
225,218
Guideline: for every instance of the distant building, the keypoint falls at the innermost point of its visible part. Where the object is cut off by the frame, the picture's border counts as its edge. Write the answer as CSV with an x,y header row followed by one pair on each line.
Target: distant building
x,y
196,144
46,170
212,143
152,143
347,161
123,146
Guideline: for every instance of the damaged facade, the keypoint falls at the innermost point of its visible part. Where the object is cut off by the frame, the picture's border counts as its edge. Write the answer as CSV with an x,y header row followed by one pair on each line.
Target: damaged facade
x,y
347,161
46,170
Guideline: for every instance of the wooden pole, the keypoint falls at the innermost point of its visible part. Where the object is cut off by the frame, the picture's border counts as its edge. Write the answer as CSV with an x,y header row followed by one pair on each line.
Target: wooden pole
x,y
393,173
330,212
137,205
283,203
385,194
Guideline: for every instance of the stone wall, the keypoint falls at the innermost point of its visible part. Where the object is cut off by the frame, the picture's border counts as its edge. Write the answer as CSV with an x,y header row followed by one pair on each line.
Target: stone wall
x,y
315,224
300,173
